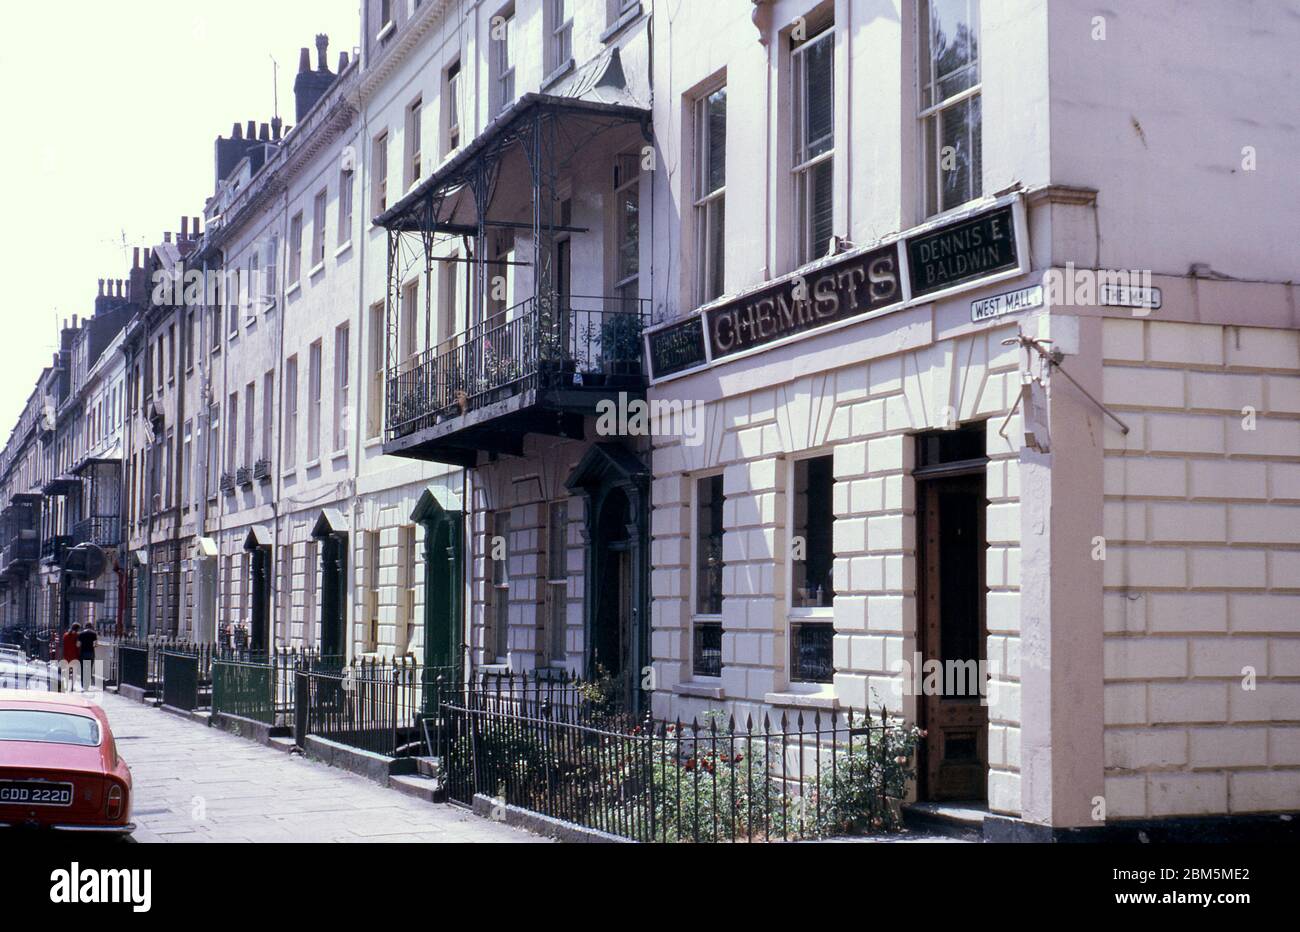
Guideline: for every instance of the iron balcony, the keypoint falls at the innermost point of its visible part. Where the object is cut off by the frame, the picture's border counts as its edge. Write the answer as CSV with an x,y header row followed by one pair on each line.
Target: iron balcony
x,y
538,367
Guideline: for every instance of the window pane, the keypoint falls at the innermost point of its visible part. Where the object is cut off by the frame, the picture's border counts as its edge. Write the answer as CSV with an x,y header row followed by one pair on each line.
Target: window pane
x,y
716,107
819,96
954,45
814,519
707,655
811,659
629,247
500,582
708,546
821,205
959,168
717,238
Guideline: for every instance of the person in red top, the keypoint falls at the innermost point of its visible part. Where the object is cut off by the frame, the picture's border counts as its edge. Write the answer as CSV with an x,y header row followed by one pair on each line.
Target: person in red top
x,y
71,654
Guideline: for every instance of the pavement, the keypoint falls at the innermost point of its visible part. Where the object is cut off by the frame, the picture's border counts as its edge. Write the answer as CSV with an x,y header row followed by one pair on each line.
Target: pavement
x,y
199,784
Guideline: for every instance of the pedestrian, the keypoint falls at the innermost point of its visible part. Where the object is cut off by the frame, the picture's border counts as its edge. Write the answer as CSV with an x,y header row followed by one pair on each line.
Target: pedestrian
x,y
86,655
70,654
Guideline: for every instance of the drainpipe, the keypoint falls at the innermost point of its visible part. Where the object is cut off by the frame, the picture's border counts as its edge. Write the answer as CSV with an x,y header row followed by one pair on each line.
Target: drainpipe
x,y
278,443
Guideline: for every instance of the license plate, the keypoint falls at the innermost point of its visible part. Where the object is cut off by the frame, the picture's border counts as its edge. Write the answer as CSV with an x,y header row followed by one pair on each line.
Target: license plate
x,y
35,793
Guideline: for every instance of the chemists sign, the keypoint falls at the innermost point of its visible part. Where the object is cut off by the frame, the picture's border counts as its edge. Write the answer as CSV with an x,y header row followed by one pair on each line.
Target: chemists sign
x,y
862,283
911,269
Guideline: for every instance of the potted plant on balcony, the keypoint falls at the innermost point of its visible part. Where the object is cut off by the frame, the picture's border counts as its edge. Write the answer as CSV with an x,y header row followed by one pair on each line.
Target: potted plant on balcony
x,y
555,367
620,341
592,374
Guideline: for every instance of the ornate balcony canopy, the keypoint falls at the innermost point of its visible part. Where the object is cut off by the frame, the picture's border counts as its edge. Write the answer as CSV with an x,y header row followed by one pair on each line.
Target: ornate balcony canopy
x,y
542,364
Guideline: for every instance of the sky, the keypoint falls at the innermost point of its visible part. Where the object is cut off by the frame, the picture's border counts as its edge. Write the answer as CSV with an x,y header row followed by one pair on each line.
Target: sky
x,y
109,116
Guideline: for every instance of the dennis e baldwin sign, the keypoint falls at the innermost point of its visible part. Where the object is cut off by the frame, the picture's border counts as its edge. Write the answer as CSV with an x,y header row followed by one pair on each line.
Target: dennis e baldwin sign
x,y
962,252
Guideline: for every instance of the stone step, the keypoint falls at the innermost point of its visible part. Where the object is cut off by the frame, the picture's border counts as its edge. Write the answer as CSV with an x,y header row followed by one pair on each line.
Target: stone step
x,y
955,819
421,787
429,766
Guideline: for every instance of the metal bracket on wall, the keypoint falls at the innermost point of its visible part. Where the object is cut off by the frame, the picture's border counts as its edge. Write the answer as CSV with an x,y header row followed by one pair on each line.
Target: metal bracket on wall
x,y
1052,359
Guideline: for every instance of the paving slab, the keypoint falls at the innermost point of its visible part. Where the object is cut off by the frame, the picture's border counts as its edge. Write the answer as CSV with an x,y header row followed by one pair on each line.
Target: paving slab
x,y
199,784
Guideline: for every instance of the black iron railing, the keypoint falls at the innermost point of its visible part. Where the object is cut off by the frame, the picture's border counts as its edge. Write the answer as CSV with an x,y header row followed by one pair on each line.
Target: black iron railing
x,y
546,342
53,548
103,530
185,672
810,776
260,685
374,705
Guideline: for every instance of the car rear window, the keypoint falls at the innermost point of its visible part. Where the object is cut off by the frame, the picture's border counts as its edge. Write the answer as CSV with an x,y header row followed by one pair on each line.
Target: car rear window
x,y
51,727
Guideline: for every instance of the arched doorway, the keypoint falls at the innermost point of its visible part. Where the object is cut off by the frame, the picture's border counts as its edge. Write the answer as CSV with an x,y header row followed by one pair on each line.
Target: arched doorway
x,y
614,482
439,512
612,630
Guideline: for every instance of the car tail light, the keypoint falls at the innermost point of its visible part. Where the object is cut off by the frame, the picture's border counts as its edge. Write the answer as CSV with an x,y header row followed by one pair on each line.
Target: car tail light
x,y
116,802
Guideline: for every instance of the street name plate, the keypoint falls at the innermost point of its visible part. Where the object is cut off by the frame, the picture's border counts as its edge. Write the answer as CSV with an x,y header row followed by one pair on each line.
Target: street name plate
x,y
1009,302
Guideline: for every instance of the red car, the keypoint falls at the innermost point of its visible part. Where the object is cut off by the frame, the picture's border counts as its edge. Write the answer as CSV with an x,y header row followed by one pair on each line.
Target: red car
x,y
59,766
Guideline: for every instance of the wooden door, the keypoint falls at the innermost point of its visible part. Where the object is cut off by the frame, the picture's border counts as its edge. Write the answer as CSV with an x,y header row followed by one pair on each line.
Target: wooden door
x,y
953,638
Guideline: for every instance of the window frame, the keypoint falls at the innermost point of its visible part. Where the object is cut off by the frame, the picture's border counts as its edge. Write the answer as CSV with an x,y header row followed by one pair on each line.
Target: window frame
x,y
557,584
701,619
320,207
501,50
290,388
315,376
377,373
802,165
558,35
295,249
705,200
451,107
929,116
347,179
342,385
379,173
797,616
621,187
413,142
499,585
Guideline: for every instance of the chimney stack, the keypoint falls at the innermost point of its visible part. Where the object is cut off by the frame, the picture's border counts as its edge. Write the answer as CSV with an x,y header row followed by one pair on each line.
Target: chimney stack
x,y
310,86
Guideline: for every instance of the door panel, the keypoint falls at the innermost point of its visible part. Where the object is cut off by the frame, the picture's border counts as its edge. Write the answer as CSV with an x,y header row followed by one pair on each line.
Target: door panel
x,y
953,638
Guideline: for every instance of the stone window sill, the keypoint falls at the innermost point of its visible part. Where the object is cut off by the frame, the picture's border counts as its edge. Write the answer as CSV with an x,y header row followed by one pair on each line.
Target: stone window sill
x,y
820,699
702,690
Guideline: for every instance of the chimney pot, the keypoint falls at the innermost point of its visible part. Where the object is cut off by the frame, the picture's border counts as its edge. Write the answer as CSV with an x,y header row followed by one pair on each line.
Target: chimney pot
x,y
101,288
343,62
322,43
194,227
237,132
304,60
167,237
185,228
264,133
252,129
